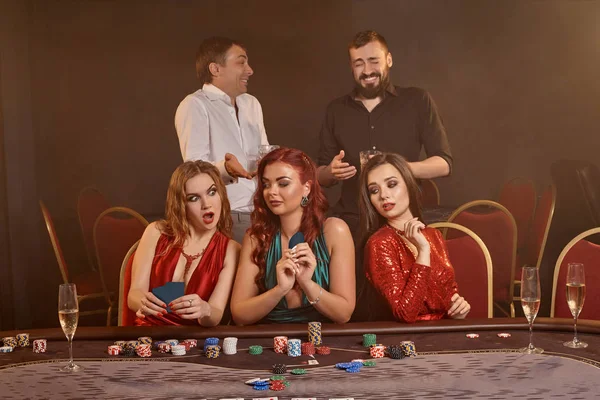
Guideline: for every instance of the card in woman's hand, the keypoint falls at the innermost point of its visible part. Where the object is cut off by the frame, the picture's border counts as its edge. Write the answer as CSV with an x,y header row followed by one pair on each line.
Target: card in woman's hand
x,y
169,292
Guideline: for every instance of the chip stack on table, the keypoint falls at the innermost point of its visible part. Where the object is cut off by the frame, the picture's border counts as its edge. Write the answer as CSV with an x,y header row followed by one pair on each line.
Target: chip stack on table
x,y
23,339
323,350
314,333
164,347
280,344
128,351
210,341
193,342
10,341
114,350
143,350
255,350
308,348
132,344
120,343
6,349
172,342
395,352
409,348
39,346
230,346
369,339
212,351
145,340
279,369
294,348
377,351
178,350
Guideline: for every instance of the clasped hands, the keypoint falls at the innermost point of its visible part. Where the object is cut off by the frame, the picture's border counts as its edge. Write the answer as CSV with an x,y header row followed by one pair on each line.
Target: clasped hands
x,y
296,265
189,306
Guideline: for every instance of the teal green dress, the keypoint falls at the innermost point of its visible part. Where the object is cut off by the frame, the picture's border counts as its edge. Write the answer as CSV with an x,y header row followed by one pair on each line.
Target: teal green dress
x,y
306,312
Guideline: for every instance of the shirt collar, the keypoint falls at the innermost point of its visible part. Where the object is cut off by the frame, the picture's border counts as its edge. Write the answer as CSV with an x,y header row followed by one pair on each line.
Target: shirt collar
x,y
214,93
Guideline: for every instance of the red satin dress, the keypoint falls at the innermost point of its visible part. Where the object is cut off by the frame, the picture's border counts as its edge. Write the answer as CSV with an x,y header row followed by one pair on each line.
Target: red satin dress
x,y
202,282
414,292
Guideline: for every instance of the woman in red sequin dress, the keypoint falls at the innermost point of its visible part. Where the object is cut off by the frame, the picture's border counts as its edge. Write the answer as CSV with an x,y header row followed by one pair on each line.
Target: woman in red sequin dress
x,y
406,262
191,245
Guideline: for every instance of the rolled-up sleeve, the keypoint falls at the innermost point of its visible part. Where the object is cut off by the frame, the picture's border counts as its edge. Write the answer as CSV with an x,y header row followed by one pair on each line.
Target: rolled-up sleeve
x,y
433,132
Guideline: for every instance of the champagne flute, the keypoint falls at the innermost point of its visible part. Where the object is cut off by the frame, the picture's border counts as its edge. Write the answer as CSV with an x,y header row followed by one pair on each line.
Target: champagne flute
x,y
68,315
530,301
575,299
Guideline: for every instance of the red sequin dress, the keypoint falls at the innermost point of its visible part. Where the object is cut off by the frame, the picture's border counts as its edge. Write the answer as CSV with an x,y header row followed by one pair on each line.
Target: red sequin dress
x,y
414,292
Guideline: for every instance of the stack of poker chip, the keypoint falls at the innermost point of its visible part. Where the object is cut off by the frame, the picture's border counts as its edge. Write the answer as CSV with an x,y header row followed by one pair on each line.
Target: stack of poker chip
x,y
120,343
308,348
128,351
230,346
132,344
145,340
255,350
10,341
210,341
351,367
278,383
39,346
193,342
172,342
23,339
212,351
279,369
187,345
369,363
409,348
261,384
298,371
280,344
395,352
178,350
294,348
164,347
143,350
377,351
323,350
114,350
369,339
314,333
6,349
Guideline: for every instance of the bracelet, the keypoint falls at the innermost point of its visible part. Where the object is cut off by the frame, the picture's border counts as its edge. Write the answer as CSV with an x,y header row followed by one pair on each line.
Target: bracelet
x,y
312,303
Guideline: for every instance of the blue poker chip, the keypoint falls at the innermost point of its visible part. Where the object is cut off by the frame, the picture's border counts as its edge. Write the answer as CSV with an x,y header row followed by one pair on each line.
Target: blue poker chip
x,y
260,387
356,364
353,370
343,365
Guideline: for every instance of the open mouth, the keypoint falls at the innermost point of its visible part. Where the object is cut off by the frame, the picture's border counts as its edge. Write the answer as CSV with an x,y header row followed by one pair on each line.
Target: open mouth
x,y
388,206
208,218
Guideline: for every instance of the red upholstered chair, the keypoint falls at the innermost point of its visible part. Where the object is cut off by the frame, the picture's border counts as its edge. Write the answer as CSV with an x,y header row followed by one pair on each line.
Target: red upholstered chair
x,y
88,284
494,224
90,204
430,194
579,250
126,316
115,231
519,196
472,268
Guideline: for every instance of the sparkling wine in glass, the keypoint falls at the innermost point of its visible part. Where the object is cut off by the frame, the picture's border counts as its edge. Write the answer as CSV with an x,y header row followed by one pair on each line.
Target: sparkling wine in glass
x,y
575,299
530,301
68,315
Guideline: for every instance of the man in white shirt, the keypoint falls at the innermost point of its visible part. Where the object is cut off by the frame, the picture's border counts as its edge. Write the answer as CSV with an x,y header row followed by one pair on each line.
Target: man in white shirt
x,y
223,124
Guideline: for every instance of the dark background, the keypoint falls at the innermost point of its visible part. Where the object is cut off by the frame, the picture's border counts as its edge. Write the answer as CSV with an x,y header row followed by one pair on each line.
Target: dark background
x,y
88,92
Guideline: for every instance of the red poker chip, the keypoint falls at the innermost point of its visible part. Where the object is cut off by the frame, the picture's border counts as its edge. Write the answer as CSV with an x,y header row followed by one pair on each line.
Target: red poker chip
x,y
503,335
472,335
323,350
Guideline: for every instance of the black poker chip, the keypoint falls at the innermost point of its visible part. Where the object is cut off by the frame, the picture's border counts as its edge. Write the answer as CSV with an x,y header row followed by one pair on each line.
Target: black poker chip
x,y
395,352
279,369
128,352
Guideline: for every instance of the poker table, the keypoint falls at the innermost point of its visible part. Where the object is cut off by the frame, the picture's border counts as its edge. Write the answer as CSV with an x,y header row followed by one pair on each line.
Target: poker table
x,y
449,364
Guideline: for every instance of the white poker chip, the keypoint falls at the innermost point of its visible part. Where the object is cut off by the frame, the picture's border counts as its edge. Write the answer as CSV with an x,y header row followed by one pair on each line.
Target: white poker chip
x,y
472,335
6,349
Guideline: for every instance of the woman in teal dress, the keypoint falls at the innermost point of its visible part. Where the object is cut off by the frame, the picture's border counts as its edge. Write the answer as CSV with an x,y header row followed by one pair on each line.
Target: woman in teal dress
x,y
312,281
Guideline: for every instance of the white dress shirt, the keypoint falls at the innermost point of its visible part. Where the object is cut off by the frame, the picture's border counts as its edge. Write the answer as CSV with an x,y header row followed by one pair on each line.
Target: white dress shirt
x,y
208,128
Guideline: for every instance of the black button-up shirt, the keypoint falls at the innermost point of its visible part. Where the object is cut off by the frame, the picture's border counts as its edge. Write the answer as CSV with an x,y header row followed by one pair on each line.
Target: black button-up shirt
x,y
405,120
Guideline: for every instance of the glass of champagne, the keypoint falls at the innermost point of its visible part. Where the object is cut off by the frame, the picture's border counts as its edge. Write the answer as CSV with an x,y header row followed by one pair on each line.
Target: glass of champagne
x,y
68,315
575,299
530,301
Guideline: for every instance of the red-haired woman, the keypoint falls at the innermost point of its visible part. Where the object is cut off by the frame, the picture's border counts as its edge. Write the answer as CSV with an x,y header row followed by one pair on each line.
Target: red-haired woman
x,y
191,245
314,280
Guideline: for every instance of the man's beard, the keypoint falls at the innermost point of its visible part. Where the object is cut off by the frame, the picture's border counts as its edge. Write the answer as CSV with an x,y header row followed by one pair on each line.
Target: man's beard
x,y
372,92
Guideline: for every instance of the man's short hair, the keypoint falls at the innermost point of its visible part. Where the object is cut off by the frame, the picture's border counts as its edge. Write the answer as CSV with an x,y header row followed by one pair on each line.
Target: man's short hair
x,y
212,50
365,37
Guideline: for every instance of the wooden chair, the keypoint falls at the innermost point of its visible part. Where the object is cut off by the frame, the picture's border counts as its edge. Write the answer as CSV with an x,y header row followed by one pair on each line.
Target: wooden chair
x,y
430,194
90,204
580,250
126,316
115,231
495,225
472,267
88,284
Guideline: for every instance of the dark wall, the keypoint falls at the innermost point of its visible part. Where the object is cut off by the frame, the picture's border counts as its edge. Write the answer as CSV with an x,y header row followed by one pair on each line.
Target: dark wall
x,y
515,81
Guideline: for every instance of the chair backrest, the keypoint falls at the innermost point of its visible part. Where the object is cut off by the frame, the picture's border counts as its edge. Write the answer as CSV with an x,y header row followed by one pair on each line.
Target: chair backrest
x,y
582,251
115,231
90,204
472,268
62,264
494,224
519,196
126,316
430,194
540,226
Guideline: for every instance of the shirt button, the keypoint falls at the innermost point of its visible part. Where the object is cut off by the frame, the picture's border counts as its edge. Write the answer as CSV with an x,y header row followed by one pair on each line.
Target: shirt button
x,y
372,126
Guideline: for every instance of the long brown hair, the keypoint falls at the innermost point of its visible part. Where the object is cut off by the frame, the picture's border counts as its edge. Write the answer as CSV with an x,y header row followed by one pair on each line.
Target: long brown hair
x,y
265,224
370,219
176,224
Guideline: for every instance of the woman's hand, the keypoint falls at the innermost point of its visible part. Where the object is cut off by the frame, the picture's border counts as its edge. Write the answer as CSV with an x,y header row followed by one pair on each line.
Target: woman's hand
x,y
151,305
190,306
412,231
306,261
459,308
286,272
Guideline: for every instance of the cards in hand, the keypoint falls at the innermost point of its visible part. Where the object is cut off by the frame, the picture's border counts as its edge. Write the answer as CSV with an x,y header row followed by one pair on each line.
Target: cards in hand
x,y
169,292
298,237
